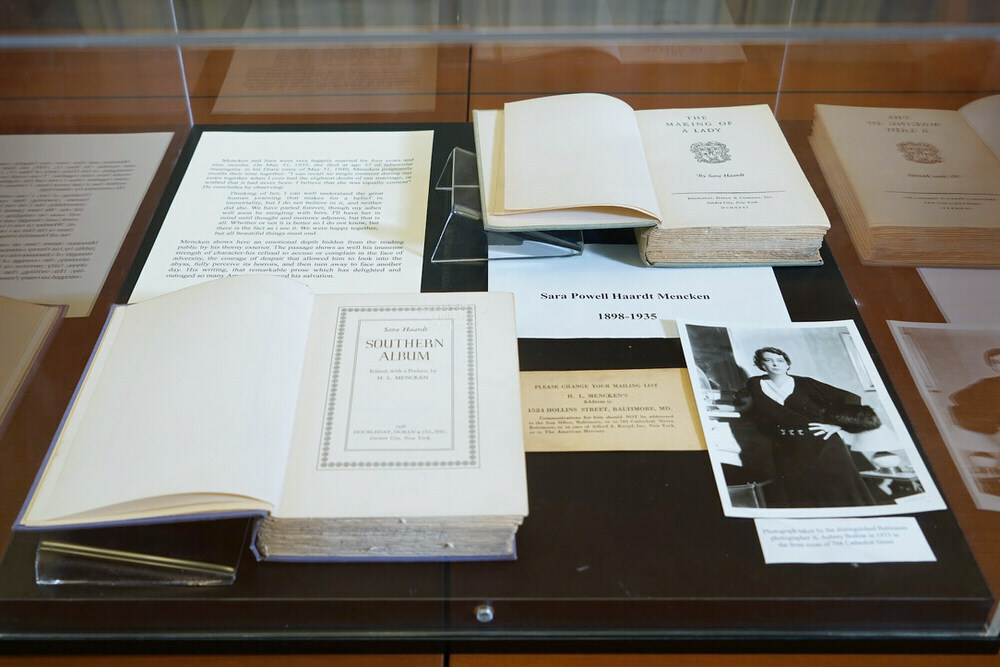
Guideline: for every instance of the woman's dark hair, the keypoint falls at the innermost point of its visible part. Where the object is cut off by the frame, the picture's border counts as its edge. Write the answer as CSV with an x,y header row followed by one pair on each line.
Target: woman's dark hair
x,y
758,356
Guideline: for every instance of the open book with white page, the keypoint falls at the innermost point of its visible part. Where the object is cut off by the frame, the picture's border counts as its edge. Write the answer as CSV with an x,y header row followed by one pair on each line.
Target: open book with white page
x,y
701,186
354,423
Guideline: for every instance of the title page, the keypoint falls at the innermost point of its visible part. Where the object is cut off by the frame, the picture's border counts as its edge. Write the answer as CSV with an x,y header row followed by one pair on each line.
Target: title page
x,y
417,360
410,406
915,167
726,166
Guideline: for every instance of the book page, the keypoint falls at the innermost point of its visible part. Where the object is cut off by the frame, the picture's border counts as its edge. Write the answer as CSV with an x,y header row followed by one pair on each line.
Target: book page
x,y
410,407
915,167
984,117
67,202
571,151
338,211
726,166
191,393
488,125
25,328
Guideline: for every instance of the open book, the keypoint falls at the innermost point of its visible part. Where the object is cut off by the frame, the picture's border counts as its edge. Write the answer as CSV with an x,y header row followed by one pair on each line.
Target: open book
x,y
356,424
915,186
702,186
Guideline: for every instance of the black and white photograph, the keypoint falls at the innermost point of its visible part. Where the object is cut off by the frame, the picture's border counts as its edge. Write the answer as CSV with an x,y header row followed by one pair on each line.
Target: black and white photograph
x,y
799,424
957,370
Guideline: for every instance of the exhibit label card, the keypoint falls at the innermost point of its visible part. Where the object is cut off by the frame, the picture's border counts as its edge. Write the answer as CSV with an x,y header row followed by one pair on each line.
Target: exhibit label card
x,y
607,292
66,203
618,410
875,540
343,212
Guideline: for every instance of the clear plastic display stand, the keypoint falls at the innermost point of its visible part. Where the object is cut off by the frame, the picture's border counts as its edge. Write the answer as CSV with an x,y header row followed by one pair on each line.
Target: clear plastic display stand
x,y
463,238
201,553
60,563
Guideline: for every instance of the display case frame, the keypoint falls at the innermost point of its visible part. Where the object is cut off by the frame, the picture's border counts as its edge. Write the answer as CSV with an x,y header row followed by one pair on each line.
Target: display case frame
x,y
185,67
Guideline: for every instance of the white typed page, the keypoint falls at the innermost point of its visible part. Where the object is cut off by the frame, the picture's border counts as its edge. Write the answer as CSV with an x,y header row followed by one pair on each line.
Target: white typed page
x,y
66,203
338,211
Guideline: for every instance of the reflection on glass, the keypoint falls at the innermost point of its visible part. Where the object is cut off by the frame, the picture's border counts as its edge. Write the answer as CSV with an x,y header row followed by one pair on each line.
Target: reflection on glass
x,y
957,370
323,80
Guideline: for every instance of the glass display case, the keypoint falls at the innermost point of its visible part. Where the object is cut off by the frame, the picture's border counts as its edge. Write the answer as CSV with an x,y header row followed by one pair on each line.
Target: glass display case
x,y
622,551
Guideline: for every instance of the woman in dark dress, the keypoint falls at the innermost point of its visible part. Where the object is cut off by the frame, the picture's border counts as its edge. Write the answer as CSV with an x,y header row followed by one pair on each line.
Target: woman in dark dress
x,y
803,418
977,406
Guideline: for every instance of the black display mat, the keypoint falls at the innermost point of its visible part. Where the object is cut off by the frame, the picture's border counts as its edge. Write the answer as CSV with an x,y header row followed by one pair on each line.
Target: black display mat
x,y
621,550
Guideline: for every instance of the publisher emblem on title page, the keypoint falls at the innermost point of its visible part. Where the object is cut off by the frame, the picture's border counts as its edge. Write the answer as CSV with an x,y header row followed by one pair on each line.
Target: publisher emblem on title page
x,y
919,151
711,152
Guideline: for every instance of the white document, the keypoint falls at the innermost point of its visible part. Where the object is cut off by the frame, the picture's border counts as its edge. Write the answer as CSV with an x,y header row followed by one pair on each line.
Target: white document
x,y
965,296
66,203
609,293
738,169
875,540
338,211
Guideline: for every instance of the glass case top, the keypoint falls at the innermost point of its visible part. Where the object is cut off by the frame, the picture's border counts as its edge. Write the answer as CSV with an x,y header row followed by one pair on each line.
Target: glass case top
x,y
80,23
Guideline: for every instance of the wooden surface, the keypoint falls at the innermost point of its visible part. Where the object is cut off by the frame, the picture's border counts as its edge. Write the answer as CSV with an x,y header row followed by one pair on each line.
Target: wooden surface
x,y
898,293
714,660
226,661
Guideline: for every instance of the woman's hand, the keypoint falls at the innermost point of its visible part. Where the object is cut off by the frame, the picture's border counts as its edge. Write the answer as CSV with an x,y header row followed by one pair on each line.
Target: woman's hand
x,y
824,430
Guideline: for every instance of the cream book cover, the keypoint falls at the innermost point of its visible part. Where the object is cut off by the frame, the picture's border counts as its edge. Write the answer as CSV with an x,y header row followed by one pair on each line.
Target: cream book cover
x,y
914,167
915,186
